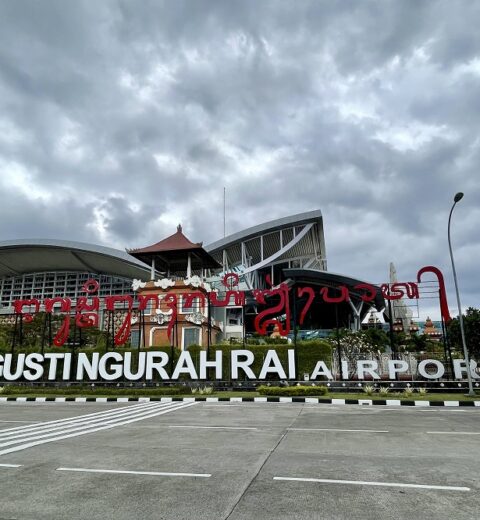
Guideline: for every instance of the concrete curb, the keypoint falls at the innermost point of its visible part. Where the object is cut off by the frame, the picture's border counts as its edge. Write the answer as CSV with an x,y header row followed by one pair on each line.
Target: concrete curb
x,y
313,400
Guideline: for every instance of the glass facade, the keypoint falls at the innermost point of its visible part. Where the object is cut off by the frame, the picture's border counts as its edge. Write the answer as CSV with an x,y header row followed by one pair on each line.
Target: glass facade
x,y
53,284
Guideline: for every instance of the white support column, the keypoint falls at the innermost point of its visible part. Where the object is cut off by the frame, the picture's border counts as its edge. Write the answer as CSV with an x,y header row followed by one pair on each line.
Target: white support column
x,y
152,272
356,313
189,265
261,248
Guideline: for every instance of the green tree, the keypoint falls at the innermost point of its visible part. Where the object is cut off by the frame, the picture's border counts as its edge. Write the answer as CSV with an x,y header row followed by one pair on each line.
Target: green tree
x,y
353,346
471,322
419,343
377,337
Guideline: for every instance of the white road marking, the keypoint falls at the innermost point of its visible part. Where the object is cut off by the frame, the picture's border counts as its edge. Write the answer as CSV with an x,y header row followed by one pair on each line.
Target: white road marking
x,y
106,426
455,433
334,430
74,426
420,409
11,465
366,483
35,431
31,422
213,427
74,418
125,472
246,405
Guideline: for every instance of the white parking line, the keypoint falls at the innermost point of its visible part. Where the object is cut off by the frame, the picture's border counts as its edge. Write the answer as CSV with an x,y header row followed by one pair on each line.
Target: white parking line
x,y
11,465
125,472
246,405
366,483
31,422
422,409
213,427
455,433
334,430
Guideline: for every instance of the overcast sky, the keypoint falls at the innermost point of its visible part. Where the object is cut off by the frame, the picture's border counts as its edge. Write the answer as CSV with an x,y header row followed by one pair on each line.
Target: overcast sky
x,y
118,120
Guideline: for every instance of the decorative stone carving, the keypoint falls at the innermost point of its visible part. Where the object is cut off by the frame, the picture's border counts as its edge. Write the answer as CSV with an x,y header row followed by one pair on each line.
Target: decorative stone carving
x,y
137,284
164,283
163,317
193,281
195,317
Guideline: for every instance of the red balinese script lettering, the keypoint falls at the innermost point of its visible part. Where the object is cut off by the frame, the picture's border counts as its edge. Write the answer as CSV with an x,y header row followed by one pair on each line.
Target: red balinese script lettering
x,y
276,299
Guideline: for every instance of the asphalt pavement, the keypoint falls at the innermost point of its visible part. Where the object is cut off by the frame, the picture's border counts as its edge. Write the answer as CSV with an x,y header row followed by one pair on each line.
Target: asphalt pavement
x,y
237,461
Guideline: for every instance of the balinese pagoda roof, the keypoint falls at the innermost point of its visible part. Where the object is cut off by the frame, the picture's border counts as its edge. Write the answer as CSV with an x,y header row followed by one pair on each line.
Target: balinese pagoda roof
x,y
430,330
172,252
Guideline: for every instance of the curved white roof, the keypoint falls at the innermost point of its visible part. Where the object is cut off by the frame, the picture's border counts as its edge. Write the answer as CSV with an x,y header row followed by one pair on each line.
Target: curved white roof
x,y
294,237
19,257
265,228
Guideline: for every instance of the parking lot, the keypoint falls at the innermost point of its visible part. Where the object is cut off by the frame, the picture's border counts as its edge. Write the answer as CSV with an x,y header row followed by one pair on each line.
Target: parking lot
x,y
237,461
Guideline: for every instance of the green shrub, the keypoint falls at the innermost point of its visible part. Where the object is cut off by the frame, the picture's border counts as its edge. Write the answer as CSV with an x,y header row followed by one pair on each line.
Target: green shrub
x,y
275,341
312,351
368,389
281,391
383,391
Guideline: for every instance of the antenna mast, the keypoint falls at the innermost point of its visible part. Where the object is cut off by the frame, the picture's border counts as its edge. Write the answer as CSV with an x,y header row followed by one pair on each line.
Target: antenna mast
x,y
224,212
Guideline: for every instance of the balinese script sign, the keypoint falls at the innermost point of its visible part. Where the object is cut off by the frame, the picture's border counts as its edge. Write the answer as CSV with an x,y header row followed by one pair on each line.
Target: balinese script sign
x,y
114,366
274,301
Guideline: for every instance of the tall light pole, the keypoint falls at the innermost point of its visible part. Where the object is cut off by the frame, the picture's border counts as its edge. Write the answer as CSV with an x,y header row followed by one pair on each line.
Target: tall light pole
x,y
458,197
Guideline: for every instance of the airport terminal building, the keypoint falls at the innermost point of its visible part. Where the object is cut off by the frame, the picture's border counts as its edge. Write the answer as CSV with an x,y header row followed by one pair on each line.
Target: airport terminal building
x,y
288,250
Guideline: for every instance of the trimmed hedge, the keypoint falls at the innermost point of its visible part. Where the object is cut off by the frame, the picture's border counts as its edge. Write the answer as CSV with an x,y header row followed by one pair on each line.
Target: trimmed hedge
x,y
292,391
83,390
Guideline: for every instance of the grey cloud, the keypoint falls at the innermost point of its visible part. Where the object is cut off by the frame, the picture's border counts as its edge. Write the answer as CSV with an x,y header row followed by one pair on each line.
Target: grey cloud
x,y
132,116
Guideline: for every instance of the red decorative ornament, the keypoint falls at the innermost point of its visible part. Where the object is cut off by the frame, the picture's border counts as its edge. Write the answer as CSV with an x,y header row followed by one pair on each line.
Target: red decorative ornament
x,y
91,286
277,315
230,276
262,320
311,296
445,312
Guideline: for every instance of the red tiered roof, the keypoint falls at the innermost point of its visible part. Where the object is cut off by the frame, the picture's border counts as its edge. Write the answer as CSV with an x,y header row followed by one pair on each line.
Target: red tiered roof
x,y
175,242
172,252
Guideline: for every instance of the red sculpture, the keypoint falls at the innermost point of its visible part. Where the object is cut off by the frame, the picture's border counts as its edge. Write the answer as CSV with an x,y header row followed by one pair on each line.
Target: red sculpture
x,y
441,288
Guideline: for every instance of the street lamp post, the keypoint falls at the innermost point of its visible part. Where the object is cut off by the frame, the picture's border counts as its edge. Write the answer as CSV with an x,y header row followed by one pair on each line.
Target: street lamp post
x,y
458,197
